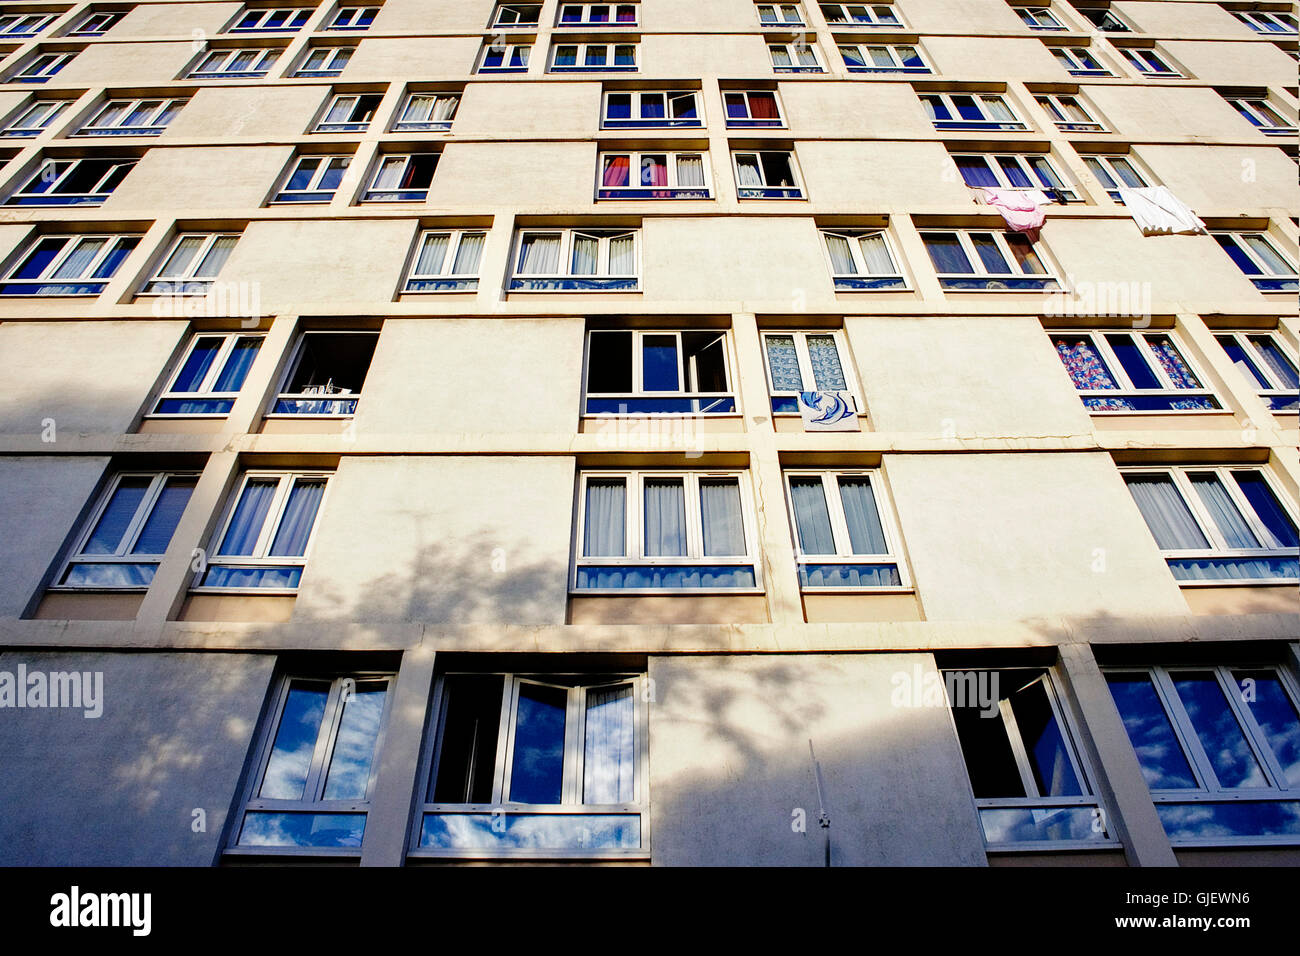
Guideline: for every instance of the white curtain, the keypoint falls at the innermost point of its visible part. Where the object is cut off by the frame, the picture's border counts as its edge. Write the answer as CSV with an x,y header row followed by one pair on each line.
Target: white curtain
x,y
445,108
1225,514
866,536
1166,513
216,257
468,253
604,529
690,171
841,256
997,109
811,517
747,168
585,254
622,255
724,529
432,254
79,261
780,56
609,754
178,263
390,173
419,109
665,518
876,255
540,255
341,109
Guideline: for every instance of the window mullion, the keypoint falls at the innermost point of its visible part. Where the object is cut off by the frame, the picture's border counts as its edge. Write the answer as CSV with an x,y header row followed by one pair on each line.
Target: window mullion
x,y
571,791
1254,734
1186,730
635,546
142,513
1018,751
273,515
505,740
315,783
839,523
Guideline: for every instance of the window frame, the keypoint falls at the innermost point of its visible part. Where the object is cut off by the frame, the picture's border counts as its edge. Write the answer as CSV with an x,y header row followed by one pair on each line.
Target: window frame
x,y
205,392
323,753
581,52
166,109
684,374
1050,280
806,373
634,540
954,122
1099,163
778,8
12,31
1033,18
311,193
1249,106
511,51
83,28
794,191
445,280
844,553
188,284
1071,60
863,280
573,756
124,553
748,121
1257,21
295,20
32,70
561,281
290,369
112,242
12,129
331,55
501,8
868,65
850,22
1277,389
1052,104
1062,194
587,21
1100,342
265,57
1107,20
1133,55
637,193
641,122
1265,280
352,23
791,50
119,168
372,193
324,125
403,125
1208,789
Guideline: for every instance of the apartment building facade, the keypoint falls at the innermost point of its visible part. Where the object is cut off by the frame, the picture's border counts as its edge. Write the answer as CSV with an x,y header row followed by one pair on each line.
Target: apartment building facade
x,y
644,432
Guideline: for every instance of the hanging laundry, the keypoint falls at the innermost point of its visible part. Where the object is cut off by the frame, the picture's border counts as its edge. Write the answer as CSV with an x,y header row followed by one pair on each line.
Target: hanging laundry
x,y
1021,209
1158,212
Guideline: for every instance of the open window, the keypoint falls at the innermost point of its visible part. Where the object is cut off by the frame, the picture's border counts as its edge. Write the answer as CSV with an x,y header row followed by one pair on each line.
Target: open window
x,y
349,113
576,260
1267,361
770,174
635,372
654,174
326,373
652,109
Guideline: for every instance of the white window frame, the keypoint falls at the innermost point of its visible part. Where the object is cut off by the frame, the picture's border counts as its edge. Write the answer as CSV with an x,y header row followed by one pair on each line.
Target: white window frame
x,y
844,553
1264,21
748,121
301,14
130,107
345,18
1142,66
1277,388
341,686
868,64
634,540
48,110
312,192
375,193
187,283
282,392
1100,341
96,197
636,121
587,9
1208,788
869,11
1098,163
332,54
1039,18
806,373
1070,59
686,374
873,281
510,51
1262,121
1053,104
1064,193
956,122
793,52
794,191
567,235
123,554
578,686
446,279
1218,547
205,392
580,57
499,11
403,125
41,67
111,243
264,59
1050,278
89,26
324,125
648,193
779,10
1106,13
266,537
12,31
1266,280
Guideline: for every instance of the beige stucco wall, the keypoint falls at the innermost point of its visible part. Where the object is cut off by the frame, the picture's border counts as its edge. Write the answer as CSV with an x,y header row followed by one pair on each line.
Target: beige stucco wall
x,y
257,112
550,174
424,16
959,16
1226,180
175,19
1181,19
851,108
879,174
986,56
1240,63
440,57
551,109
671,54
128,64
200,177
1155,112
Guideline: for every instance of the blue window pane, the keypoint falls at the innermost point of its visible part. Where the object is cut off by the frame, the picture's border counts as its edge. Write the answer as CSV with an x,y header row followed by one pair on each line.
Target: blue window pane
x,y
109,266
550,831
1277,360
619,106
223,576
250,514
1159,754
1238,255
240,361
354,745
303,829
659,363
975,171
164,517
298,520
1268,508
1268,703
1239,357
1032,824
115,575
967,108
849,575
1015,174
666,576
1131,358
946,253
1189,821
197,364
117,516
40,258
537,771
990,255
295,741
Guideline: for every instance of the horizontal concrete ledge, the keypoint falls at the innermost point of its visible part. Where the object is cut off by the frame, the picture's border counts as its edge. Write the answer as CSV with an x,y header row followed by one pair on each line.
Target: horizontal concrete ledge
x,y
633,639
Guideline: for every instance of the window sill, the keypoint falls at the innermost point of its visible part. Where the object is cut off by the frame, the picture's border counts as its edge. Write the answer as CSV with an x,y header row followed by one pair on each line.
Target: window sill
x,y
666,592
861,284
225,592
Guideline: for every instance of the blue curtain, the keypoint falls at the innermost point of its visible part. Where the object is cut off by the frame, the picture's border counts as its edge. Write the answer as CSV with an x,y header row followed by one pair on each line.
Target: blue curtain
x,y
299,517
250,514
166,514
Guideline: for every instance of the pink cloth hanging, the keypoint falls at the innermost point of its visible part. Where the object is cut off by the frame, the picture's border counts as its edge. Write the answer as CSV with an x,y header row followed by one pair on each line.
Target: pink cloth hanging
x,y
1021,209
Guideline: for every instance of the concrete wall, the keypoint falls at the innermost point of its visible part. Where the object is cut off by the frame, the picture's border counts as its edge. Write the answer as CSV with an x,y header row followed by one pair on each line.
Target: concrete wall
x,y
1141,113
440,57
128,64
202,177
175,19
851,107
959,16
991,57
730,764
1225,180
563,174
550,109
172,738
880,173
253,111
1182,19
425,16
1241,64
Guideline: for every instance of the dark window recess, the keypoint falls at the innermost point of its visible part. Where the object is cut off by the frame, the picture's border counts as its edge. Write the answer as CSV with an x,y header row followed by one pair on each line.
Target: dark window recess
x,y
327,374
467,756
609,363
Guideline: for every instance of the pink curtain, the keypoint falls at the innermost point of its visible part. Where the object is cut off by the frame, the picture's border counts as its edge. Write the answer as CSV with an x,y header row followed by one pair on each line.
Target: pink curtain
x,y
653,171
616,171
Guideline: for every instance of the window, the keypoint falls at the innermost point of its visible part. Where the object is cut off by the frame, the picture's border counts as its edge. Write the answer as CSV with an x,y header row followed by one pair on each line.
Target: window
x,y
1029,779
652,109
353,18
657,175
883,58
263,540
798,56
427,112
315,764
1266,360
69,265
767,175
1103,19
1218,525
841,540
509,15
41,67
576,260
447,261
861,260
600,57
950,111
230,64
660,530
535,765
1131,372
653,372
1039,18
806,361
270,21
1263,22
402,177
16,26
96,24
313,179
34,119
1147,62
209,377
1068,114
779,14
71,182
126,536
1014,171
325,374
349,113
325,61
970,260
599,14
1115,173
1079,61
1219,747
193,262
752,108
501,57
1262,115
840,15
147,117
1256,256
